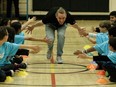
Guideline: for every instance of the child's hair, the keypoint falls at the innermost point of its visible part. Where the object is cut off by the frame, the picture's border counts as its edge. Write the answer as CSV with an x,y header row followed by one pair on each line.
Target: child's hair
x,y
4,21
16,26
112,31
105,24
3,32
113,13
11,35
112,42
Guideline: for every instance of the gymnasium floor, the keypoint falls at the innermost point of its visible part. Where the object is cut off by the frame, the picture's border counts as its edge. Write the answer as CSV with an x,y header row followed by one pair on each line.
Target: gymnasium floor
x,y
72,73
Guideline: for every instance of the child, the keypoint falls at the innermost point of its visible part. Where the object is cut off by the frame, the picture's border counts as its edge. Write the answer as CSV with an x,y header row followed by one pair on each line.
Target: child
x,y
113,18
102,36
5,22
11,35
110,67
107,55
9,49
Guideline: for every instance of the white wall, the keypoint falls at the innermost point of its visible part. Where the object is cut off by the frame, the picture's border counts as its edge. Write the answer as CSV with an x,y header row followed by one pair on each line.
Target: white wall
x,y
112,5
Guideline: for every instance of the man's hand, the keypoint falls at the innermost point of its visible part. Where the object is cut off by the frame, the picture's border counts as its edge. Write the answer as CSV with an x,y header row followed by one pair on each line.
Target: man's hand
x,y
82,32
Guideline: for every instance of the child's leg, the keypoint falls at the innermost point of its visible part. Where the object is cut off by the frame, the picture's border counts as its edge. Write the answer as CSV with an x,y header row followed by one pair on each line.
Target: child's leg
x,y
14,67
23,52
111,69
8,67
9,73
100,60
21,65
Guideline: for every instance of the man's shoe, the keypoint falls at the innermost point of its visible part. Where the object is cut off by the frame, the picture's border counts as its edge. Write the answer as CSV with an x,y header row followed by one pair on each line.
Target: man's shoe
x,y
49,54
59,60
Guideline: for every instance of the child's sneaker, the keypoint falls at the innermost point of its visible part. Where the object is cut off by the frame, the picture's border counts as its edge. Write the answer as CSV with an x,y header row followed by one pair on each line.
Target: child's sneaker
x,y
23,65
9,73
112,79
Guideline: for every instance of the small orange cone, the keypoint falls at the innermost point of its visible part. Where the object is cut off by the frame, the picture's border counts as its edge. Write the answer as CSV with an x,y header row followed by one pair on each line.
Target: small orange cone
x,y
101,73
91,67
102,81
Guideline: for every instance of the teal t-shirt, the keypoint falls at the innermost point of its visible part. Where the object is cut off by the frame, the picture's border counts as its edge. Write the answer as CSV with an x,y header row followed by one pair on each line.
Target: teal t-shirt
x,y
7,49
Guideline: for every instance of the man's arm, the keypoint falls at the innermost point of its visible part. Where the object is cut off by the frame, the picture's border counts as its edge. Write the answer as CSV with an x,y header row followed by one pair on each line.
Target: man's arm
x,y
80,30
76,26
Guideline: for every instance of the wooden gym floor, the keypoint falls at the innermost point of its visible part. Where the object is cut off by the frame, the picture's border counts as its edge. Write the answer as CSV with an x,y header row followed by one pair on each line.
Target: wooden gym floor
x,y
72,73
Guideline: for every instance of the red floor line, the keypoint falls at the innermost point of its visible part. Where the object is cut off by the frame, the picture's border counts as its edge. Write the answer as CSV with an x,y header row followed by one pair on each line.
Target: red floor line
x,y
53,80
52,60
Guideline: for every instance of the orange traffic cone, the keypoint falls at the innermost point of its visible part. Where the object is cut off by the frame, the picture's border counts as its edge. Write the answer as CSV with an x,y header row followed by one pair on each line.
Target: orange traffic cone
x,y
91,67
101,73
102,81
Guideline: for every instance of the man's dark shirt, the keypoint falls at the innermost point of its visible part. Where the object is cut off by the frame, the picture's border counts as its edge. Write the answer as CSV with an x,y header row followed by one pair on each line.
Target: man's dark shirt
x,y
51,19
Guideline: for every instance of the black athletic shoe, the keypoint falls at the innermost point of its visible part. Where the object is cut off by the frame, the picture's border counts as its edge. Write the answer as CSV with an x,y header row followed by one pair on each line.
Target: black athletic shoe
x,y
23,65
112,79
9,73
